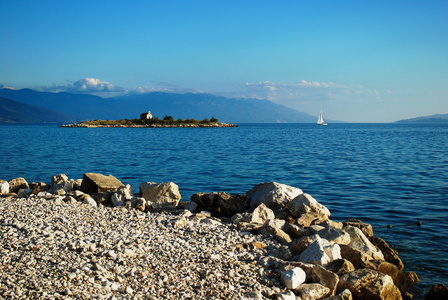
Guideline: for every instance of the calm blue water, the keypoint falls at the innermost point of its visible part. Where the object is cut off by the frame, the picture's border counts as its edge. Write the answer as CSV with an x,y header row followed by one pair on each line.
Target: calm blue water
x,y
381,173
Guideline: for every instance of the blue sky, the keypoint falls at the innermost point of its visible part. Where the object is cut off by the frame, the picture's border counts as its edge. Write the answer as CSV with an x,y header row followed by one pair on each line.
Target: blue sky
x,y
358,61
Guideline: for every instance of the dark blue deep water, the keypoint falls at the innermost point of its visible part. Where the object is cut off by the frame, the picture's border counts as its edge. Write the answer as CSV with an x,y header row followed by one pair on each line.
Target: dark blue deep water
x,y
384,174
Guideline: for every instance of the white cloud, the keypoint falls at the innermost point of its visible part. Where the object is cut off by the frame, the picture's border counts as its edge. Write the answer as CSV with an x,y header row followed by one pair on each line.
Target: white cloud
x,y
92,85
85,86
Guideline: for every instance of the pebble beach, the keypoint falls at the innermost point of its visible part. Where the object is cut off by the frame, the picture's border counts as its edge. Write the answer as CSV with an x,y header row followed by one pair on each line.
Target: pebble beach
x,y
51,249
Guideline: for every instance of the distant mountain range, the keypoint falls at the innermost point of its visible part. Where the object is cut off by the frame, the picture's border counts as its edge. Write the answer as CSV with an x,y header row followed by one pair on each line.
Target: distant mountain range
x,y
17,112
29,106
438,118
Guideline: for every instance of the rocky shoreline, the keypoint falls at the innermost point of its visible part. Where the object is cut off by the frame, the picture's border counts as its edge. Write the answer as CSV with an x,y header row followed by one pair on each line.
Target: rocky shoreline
x,y
95,238
199,125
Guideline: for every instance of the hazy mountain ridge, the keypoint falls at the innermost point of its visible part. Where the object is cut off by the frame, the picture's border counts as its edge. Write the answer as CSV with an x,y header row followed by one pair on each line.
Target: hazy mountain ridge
x,y
81,107
16,112
437,118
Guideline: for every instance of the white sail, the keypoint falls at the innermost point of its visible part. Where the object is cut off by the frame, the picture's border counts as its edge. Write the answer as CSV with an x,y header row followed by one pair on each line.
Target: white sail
x,y
321,120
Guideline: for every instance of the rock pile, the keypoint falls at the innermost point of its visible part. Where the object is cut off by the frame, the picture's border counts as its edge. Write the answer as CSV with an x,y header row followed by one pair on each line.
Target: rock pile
x,y
65,239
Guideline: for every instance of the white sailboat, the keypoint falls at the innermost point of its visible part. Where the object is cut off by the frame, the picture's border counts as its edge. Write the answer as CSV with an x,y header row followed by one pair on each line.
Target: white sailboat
x,y
321,120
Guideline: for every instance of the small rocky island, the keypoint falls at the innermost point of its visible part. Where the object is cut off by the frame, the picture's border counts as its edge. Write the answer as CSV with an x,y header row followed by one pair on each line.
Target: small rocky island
x,y
95,238
146,120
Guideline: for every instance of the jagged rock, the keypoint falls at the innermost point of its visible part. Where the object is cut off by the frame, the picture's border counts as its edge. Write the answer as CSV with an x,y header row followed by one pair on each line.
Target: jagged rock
x,y
315,253
335,235
369,284
361,242
437,292
122,195
390,255
228,205
160,195
39,187
60,182
95,183
365,227
293,278
260,215
4,187
300,245
306,209
204,200
89,201
358,258
326,278
411,277
278,234
312,291
344,295
272,194
340,266
294,231
191,206
17,183
23,193
77,184
387,268
328,223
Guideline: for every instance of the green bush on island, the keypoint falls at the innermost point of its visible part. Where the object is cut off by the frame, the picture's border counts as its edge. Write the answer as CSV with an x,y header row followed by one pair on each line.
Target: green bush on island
x,y
167,120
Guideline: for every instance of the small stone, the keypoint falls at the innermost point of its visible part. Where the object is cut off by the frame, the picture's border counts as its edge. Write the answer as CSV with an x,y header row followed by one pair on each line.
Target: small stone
x,y
293,278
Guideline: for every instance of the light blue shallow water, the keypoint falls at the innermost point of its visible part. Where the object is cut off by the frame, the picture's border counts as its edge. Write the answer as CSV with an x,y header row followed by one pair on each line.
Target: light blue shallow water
x,y
384,174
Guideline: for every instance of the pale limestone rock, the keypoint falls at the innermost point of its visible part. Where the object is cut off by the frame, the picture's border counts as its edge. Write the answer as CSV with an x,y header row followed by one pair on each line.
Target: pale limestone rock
x,y
312,291
335,235
261,214
369,284
340,266
361,242
365,227
333,251
294,231
390,255
160,195
306,209
89,201
95,183
272,194
315,253
326,278
276,233
17,183
60,182
293,278
299,245
4,187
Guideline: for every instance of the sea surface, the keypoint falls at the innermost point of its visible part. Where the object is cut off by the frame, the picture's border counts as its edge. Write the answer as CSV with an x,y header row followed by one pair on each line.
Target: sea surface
x,y
383,174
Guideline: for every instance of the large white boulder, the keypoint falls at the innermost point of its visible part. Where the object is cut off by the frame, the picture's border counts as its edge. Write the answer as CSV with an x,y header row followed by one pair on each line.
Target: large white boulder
x,y
272,194
160,195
